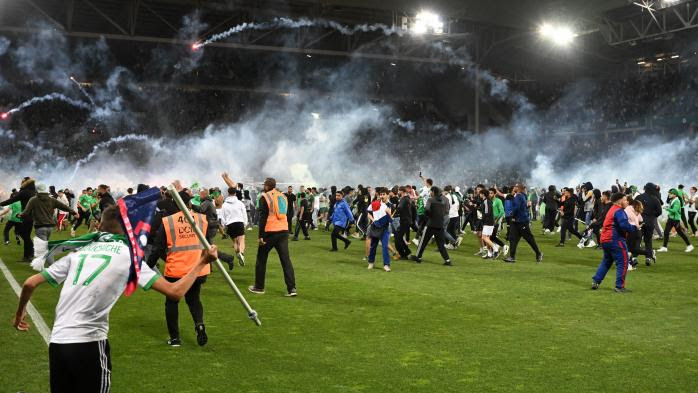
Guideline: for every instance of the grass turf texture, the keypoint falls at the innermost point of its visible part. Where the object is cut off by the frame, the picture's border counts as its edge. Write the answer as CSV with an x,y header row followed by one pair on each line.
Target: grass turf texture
x,y
476,326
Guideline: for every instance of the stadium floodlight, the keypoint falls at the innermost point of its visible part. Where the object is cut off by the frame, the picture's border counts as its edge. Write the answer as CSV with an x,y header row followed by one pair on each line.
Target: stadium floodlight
x,y
558,34
315,115
428,22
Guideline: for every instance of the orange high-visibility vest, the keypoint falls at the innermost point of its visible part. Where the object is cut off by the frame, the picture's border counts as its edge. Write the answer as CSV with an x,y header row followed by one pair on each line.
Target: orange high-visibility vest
x,y
183,246
276,221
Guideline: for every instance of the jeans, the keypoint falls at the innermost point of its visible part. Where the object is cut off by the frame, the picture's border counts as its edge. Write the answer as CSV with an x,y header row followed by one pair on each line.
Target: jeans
x,y
43,233
385,241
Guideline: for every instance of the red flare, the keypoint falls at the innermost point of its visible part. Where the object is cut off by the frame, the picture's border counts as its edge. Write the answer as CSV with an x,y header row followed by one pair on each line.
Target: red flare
x,y
4,115
195,46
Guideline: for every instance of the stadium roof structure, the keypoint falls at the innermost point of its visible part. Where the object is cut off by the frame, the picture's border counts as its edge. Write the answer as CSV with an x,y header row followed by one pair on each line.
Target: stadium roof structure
x,y
499,34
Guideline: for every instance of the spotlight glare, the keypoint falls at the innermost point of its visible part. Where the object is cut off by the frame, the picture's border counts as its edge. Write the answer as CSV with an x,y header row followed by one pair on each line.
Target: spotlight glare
x,y
557,34
4,115
315,115
427,22
195,46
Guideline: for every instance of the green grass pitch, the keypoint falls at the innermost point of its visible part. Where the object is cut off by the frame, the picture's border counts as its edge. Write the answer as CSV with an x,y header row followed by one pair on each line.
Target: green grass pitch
x,y
475,327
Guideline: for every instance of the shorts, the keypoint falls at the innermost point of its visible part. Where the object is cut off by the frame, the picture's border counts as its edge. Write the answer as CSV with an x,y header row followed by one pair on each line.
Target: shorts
x,y
235,229
487,230
80,367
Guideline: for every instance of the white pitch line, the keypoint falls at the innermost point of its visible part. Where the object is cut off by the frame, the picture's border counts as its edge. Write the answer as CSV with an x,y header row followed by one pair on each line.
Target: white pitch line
x,y
39,322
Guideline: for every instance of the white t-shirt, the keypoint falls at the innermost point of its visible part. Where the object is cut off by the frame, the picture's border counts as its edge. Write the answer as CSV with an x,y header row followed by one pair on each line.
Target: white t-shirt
x,y
94,277
453,206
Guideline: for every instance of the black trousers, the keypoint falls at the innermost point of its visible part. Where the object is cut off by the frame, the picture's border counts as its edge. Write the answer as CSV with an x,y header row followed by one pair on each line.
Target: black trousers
x,y
567,225
80,367
683,217
453,224
516,232
25,232
8,226
667,231
192,297
402,236
647,233
289,217
692,221
301,225
84,217
494,237
438,234
634,240
337,234
549,219
278,241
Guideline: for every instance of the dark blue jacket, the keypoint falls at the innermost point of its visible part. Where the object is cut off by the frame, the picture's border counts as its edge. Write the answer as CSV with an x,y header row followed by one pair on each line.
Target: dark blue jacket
x,y
341,217
520,208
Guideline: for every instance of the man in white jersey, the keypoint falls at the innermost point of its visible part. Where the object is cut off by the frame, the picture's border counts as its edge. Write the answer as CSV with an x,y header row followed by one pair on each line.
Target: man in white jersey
x,y
93,279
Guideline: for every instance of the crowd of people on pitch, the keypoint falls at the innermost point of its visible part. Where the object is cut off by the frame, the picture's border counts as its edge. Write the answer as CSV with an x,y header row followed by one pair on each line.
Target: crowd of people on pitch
x,y
499,217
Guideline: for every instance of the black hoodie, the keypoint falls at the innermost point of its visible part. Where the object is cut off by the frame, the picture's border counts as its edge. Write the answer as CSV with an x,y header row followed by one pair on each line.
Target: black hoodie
x,y
652,205
26,191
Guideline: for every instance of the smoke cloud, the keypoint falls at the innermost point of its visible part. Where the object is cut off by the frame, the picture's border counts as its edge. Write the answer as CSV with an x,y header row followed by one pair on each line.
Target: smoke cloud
x,y
337,138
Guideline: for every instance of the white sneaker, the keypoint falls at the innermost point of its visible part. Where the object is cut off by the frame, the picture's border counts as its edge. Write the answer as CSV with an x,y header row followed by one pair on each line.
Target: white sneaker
x,y
663,249
547,231
459,241
370,266
449,247
386,268
72,232
249,229
591,244
689,248
415,241
580,245
505,250
558,229
630,268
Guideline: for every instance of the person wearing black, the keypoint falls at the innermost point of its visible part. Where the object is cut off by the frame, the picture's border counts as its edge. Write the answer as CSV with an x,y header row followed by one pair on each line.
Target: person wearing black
x,y
291,198
602,202
330,206
361,203
26,191
435,210
305,217
568,216
404,212
341,219
651,210
105,198
521,225
551,199
270,237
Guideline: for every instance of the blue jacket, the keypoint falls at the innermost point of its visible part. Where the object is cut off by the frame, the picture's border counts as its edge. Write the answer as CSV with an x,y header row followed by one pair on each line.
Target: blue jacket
x,y
341,217
508,207
520,208
616,226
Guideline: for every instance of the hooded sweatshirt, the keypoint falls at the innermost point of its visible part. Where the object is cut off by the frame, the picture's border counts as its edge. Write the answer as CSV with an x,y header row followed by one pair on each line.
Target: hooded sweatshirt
x,y
233,210
40,208
652,206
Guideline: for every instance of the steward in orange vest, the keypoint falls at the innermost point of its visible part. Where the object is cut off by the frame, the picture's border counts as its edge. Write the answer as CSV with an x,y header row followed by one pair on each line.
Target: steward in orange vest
x,y
177,243
273,234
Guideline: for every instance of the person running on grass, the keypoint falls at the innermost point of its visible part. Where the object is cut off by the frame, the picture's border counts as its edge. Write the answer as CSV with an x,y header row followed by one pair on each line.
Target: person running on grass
x,y
234,217
521,225
674,210
341,219
435,210
616,227
379,228
487,210
93,279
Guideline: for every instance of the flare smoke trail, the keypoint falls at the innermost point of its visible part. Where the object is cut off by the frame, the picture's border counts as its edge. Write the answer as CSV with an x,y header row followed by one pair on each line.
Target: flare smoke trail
x,y
303,22
83,91
48,97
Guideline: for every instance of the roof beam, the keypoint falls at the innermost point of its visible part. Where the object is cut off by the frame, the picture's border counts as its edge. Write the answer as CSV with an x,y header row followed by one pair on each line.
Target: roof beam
x,y
105,16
